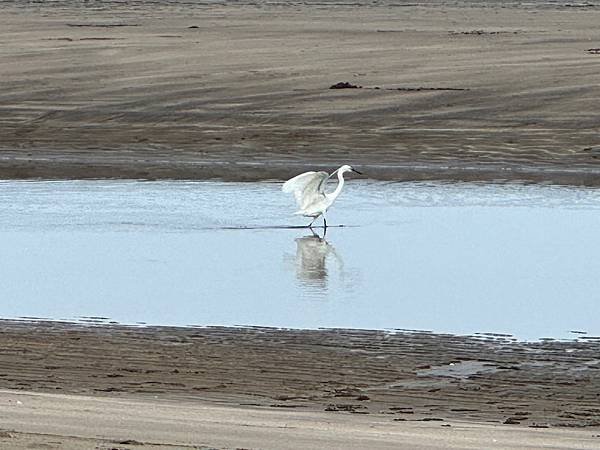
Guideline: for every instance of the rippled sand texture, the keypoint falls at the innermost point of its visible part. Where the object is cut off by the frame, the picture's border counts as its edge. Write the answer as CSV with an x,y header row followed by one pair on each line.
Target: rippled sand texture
x,y
194,90
406,376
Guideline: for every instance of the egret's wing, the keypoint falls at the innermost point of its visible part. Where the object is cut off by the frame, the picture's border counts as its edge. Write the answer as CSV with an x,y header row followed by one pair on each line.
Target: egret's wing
x,y
307,187
314,190
298,182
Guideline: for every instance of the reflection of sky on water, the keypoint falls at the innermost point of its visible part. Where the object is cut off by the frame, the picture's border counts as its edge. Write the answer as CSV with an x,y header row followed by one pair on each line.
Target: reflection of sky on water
x,y
453,257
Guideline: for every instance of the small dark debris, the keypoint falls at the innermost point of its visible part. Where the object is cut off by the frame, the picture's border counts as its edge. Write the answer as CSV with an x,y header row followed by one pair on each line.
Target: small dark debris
x,y
446,425
476,32
512,421
362,398
343,407
130,442
281,405
344,85
594,51
431,419
482,32
419,89
102,25
193,27
99,39
539,425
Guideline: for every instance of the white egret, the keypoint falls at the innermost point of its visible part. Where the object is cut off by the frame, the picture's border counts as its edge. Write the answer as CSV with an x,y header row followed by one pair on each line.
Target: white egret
x,y
309,190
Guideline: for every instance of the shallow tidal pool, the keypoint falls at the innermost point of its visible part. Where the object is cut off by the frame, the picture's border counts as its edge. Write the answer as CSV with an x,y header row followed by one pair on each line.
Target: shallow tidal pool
x,y
455,258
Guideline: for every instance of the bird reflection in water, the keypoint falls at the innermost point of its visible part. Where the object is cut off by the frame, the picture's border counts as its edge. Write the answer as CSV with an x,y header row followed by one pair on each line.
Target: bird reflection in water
x,y
312,255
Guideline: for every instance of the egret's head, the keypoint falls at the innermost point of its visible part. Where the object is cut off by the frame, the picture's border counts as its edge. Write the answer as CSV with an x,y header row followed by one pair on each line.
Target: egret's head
x,y
347,168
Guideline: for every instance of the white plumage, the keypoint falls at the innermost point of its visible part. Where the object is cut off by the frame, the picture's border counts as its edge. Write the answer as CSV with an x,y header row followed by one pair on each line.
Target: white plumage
x,y
309,190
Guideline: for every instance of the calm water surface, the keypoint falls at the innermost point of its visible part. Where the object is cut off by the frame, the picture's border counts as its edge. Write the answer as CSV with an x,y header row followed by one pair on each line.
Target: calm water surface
x,y
457,258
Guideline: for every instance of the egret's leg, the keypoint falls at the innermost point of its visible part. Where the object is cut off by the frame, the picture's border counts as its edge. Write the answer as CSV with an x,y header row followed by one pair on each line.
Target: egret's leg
x,y
313,221
324,221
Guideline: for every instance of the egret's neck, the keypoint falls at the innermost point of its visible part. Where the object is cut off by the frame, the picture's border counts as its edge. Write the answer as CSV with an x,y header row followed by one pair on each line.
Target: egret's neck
x,y
339,187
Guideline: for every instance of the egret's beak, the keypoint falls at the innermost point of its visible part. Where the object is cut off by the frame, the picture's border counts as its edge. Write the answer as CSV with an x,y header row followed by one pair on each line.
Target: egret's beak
x,y
354,170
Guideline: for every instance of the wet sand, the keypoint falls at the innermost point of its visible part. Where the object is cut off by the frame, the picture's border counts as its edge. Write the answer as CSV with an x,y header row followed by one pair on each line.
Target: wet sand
x,y
401,379
240,91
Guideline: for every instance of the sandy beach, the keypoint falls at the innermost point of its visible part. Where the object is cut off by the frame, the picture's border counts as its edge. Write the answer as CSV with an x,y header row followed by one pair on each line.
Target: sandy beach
x,y
332,387
81,422
240,91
